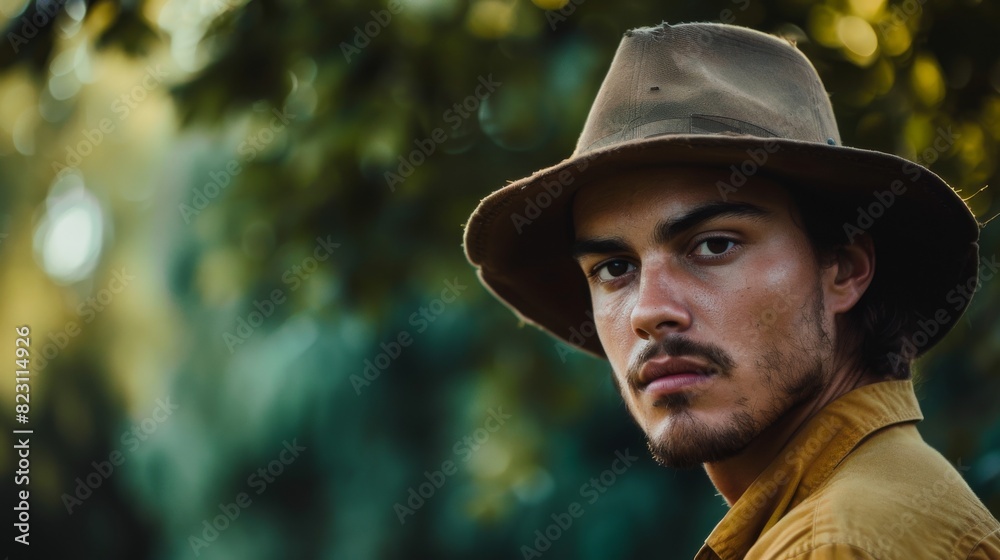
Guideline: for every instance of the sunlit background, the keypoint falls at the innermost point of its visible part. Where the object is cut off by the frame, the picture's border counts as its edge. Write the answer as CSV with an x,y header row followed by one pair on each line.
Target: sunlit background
x,y
234,230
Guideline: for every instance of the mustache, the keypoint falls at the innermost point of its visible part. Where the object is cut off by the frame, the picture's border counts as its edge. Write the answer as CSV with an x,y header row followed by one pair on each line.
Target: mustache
x,y
676,346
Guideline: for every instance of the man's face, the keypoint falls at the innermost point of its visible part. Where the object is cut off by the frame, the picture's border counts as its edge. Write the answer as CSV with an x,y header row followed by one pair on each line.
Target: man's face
x,y
710,311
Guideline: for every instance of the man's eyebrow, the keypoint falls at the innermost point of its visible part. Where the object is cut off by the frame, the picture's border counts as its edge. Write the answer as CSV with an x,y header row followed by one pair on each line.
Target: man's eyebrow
x,y
601,246
669,229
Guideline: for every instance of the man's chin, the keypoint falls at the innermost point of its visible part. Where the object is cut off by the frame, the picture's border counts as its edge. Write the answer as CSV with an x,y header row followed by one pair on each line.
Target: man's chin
x,y
685,443
689,458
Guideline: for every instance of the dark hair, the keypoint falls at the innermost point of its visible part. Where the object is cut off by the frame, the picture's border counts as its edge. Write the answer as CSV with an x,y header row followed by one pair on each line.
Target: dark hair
x,y
879,324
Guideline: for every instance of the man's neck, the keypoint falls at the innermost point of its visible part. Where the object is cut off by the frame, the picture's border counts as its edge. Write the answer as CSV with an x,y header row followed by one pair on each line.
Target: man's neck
x,y
733,476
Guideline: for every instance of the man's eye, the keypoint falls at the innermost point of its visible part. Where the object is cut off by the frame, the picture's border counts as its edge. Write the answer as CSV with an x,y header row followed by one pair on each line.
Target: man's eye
x,y
714,247
613,269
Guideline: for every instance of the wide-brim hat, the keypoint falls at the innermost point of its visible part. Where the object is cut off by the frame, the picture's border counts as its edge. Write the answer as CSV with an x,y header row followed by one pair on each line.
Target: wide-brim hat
x,y
722,96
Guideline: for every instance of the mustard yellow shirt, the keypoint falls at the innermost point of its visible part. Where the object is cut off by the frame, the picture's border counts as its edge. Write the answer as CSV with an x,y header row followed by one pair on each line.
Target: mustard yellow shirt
x,y
858,481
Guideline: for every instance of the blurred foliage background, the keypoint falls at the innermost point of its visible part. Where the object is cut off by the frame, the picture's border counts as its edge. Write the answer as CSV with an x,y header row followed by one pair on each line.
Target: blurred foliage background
x,y
153,201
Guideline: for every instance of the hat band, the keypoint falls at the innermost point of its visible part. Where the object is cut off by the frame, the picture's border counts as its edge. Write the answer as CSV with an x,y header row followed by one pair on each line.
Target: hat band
x,y
695,124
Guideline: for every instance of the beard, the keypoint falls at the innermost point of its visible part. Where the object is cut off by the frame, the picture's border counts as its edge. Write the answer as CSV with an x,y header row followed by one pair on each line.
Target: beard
x,y
792,374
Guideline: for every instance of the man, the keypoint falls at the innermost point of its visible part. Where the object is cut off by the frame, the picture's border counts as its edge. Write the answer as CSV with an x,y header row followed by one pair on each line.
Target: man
x,y
759,290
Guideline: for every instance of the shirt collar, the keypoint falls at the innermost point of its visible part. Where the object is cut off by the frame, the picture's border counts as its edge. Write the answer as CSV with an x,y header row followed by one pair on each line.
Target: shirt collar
x,y
808,460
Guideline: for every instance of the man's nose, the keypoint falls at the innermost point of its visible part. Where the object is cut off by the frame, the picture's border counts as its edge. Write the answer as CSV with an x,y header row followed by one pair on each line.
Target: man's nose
x,y
660,309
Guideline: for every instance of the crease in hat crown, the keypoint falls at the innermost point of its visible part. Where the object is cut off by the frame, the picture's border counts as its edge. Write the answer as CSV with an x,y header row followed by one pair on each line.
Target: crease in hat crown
x,y
706,94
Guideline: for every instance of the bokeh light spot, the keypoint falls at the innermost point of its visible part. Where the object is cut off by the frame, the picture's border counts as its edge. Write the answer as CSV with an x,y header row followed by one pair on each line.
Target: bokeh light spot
x,y
857,36
895,37
491,19
823,25
927,81
69,238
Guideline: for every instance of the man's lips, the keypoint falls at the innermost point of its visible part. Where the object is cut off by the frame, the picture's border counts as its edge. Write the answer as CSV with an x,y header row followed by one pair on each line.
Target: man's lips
x,y
668,375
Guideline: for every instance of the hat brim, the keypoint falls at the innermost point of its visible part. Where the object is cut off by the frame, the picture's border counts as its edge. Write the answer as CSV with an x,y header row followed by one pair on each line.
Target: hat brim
x,y
519,236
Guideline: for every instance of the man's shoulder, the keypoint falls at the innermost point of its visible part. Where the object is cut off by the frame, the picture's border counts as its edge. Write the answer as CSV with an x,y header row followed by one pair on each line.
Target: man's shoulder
x,y
895,472
893,496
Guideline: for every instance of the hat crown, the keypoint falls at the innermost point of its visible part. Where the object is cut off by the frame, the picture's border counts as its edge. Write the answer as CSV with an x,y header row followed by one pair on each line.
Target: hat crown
x,y
704,78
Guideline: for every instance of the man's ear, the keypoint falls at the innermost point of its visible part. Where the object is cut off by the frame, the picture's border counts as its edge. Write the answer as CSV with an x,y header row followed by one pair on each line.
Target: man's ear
x,y
849,275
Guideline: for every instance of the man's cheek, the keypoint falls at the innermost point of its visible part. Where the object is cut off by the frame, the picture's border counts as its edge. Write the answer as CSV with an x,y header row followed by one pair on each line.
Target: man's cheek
x,y
614,331
774,313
